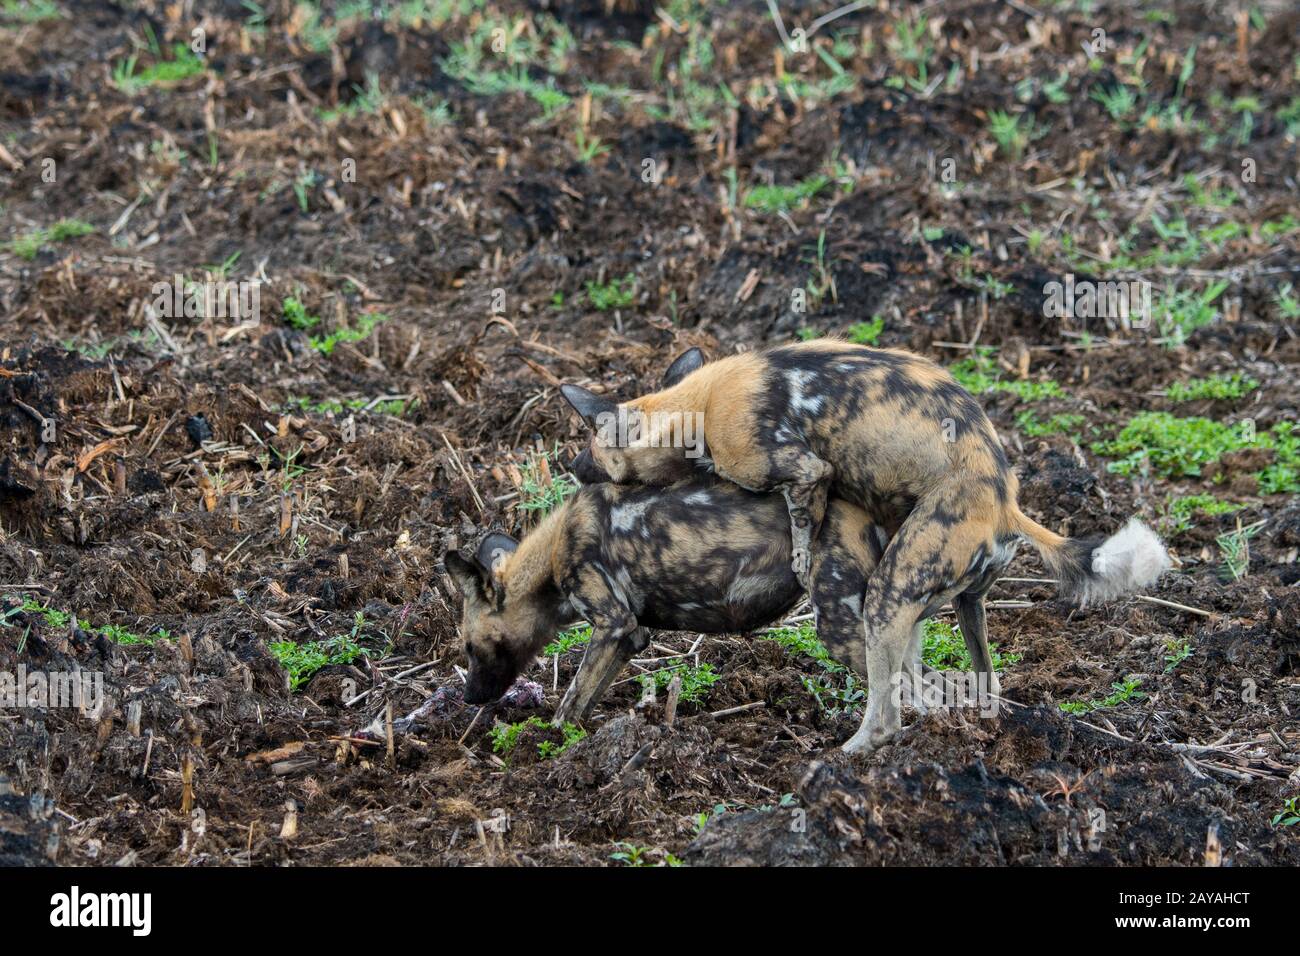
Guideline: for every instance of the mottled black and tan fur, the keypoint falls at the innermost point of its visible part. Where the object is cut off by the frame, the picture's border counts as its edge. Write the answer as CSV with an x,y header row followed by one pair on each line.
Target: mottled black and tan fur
x,y
893,433
702,555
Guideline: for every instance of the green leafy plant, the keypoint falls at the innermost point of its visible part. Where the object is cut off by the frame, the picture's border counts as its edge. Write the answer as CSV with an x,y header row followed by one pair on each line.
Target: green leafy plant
x,y
367,322
1123,691
1288,303
549,749
296,314
302,661
866,333
696,680
629,854
1172,447
944,648
614,294
836,689
58,620
979,375
1060,424
1177,650
1289,815
718,810
505,737
1181,510
566,641
1179,312
1222,386
29,11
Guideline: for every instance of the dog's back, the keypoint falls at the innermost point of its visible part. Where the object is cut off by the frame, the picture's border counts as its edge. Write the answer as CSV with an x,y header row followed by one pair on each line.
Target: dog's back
x,y
700,555
707,556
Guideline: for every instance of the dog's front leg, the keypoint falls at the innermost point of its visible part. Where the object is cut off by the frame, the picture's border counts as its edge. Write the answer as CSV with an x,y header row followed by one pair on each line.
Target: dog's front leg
x,y
614,641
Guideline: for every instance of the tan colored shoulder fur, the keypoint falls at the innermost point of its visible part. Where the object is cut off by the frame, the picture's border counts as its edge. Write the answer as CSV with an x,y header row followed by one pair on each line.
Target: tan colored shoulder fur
x,y
694,392
532,564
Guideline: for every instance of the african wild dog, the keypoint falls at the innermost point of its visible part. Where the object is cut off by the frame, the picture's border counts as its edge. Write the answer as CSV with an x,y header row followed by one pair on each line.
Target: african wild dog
x,y
889,431
701,555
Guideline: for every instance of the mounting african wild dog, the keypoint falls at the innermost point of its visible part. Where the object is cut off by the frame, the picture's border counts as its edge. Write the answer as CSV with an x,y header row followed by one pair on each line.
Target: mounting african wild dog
x,y
889,431
702,555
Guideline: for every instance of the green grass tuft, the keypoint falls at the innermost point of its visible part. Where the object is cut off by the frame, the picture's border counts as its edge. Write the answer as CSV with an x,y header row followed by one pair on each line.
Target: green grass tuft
x,y
28,246
184,64
1214,386
775,199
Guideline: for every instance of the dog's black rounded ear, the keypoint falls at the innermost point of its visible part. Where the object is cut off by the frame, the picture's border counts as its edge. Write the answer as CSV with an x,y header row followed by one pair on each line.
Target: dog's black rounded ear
x,y
493,550
683,365
587,403
465,575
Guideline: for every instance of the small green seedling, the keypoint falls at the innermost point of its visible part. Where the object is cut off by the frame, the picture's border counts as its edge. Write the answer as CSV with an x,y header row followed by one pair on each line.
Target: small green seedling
x,y
615,294
696,680
1177,650
1289,815
1124,691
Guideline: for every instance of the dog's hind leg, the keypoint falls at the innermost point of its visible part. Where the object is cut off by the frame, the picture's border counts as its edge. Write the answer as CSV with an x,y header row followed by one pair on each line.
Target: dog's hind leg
x,y
889,637
923,567
974,630
794,470
912,668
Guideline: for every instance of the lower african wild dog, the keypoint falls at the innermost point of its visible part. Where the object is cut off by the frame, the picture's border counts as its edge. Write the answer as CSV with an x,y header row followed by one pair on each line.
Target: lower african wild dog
x,y
701,555
889,431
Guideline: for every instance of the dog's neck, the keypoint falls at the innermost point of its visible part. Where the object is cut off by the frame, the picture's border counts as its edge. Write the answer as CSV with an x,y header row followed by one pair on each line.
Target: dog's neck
x,y
691,394
529,571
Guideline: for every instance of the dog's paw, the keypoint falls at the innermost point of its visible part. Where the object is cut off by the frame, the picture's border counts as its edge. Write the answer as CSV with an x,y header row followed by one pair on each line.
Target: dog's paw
x,y
801,564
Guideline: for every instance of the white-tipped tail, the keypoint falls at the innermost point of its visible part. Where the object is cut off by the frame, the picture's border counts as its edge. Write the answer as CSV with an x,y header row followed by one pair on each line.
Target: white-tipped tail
x,y
1090,571
1129,560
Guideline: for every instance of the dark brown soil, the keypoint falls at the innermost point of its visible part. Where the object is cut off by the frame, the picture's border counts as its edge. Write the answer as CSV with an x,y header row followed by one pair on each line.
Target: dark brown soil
x,y
477,232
